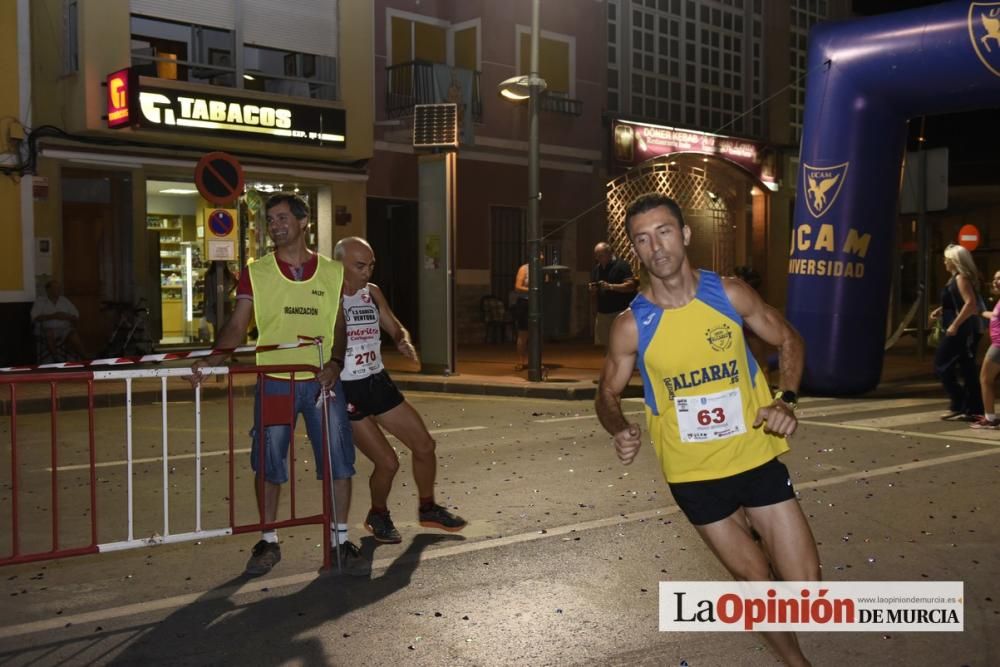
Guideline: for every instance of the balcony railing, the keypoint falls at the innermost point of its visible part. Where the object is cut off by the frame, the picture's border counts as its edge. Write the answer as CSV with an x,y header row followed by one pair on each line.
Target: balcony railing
x,y
561,104
411,83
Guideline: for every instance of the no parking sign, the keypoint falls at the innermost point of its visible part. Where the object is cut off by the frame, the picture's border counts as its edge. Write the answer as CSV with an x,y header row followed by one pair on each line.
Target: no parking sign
x,y
220,234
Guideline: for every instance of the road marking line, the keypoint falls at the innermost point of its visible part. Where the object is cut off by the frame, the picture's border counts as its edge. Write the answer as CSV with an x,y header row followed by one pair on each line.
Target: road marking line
x,y
865,406
569,419
910,434
258,586
218,452
928,417
150,459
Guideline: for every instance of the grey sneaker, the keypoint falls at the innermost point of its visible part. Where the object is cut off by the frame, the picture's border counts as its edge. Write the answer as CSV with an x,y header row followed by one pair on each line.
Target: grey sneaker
x,y
265,556
381,526
351,560
439,517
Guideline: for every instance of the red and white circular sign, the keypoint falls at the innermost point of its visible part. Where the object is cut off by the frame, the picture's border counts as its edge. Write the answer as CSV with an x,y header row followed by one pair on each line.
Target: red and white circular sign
x,y
968,237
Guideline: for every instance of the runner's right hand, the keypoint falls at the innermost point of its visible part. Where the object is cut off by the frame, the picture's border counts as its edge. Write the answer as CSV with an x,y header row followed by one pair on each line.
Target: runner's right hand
x,y
627,443
406,349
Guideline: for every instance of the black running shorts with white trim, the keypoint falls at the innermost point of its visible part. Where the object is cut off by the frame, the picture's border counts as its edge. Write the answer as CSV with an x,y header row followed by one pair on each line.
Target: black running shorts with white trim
x,y
373,395
712,500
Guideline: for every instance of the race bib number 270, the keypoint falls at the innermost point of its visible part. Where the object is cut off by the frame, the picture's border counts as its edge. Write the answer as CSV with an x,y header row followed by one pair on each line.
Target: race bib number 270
x,y
710,416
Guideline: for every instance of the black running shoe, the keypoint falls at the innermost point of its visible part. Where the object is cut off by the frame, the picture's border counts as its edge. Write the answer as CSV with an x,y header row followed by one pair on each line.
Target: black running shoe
x,y
351,560
380,525
439,517
265,556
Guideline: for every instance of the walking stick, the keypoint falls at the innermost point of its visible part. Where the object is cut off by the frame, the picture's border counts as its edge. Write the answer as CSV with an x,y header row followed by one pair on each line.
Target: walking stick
x,y
328,458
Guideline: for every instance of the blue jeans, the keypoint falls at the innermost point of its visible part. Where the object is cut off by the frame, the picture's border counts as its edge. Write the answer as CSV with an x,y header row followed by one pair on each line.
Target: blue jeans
x,y
277,437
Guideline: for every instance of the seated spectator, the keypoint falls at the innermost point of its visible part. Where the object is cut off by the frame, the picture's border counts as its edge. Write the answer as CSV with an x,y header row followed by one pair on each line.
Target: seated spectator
x,y
55,318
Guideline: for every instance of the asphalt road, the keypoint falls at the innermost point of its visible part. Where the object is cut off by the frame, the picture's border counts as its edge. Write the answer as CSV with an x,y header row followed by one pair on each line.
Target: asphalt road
x,y
559,566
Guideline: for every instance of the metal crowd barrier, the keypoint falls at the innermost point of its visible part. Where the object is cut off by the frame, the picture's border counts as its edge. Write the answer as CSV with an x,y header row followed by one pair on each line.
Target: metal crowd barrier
x,y
56,380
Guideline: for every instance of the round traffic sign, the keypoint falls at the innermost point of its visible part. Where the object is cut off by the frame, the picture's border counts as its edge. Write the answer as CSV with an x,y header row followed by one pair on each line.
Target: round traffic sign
x,y
221,223
219,178
968,237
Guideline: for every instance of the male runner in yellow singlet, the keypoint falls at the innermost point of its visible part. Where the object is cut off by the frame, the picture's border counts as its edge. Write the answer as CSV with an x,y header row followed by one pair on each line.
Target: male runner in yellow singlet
x,y
716,429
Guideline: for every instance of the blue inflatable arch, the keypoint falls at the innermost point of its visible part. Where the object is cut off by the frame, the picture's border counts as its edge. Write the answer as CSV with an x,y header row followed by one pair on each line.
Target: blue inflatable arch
x,y
867,78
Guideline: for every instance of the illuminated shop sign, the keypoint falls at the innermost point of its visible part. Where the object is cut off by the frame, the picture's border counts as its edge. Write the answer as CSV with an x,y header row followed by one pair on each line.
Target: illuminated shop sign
x,y
634,143
158,108
120,84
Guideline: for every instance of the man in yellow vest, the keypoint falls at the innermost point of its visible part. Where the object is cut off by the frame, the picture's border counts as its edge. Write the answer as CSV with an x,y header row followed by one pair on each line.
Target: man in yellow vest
x,y
294,292
716,429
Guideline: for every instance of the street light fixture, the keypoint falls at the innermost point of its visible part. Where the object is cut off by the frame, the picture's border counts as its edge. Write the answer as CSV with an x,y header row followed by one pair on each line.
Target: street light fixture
x,y
518,88
529,88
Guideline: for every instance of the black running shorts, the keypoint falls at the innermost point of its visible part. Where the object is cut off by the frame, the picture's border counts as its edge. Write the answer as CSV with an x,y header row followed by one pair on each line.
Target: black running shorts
x,y
712,500
373,395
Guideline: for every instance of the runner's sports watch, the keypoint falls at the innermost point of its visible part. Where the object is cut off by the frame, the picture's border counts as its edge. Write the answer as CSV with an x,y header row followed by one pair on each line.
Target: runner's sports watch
x,y
790,398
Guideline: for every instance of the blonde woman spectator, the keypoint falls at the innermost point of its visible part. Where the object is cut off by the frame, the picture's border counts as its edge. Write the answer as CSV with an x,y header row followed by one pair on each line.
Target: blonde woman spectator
x,y
955,359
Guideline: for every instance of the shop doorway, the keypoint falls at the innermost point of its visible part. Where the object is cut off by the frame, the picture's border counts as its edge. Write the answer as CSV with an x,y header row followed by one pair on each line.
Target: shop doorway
x,y
96,249
393,235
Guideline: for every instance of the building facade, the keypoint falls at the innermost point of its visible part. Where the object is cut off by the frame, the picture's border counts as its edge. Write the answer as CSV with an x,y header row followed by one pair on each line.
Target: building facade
x,y
461,51
128,95
718,85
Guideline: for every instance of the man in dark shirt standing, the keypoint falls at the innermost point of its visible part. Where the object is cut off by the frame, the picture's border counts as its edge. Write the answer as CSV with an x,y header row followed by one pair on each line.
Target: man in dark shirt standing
x,y
612,288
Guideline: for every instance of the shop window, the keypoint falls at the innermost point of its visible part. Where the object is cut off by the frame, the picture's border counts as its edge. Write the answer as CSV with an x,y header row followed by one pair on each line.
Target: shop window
x,y
507,248
180,270
552,241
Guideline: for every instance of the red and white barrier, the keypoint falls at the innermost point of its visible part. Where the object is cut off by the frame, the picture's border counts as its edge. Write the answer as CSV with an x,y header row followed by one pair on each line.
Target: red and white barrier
x,y
303,341
14,378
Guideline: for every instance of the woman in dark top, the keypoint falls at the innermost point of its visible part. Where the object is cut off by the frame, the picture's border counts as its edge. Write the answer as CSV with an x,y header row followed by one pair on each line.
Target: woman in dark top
x,y
955,359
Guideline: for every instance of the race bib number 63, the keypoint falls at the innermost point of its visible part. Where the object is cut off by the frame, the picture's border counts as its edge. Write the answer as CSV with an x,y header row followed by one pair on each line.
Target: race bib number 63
x,y
710,416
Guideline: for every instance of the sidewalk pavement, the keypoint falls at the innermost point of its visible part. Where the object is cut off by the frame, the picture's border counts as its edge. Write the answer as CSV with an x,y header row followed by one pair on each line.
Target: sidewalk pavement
x,y
571,371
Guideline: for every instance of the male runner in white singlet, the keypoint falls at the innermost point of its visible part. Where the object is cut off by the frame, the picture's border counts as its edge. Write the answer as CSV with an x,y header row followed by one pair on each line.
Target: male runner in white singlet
x,y
373,399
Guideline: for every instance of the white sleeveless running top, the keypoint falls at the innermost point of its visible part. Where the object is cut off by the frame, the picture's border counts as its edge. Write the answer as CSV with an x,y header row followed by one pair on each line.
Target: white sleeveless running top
x,y
364,340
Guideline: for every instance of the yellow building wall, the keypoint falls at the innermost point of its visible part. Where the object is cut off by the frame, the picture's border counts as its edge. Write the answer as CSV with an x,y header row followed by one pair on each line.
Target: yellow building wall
x,y
11,261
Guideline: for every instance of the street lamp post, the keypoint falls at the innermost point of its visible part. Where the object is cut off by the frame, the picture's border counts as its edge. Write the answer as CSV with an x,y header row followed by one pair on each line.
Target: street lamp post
x,y
530,88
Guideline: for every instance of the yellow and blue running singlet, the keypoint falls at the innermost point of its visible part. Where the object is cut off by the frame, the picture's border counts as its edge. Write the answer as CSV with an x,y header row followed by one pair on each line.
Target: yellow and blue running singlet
x,y
702,387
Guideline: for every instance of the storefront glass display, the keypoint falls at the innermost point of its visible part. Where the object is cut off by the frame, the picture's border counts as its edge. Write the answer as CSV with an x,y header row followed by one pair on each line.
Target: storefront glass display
x,y
175,224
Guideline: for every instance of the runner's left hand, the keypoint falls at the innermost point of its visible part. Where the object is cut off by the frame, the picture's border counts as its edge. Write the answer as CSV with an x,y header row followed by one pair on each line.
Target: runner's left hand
x,y
777,418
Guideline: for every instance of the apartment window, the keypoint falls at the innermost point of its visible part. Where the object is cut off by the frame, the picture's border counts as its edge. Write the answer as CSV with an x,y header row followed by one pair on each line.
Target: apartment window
x,y
411,40
803,15
182,51
287,48
613,27
71,42
289,72
704,42
556,55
